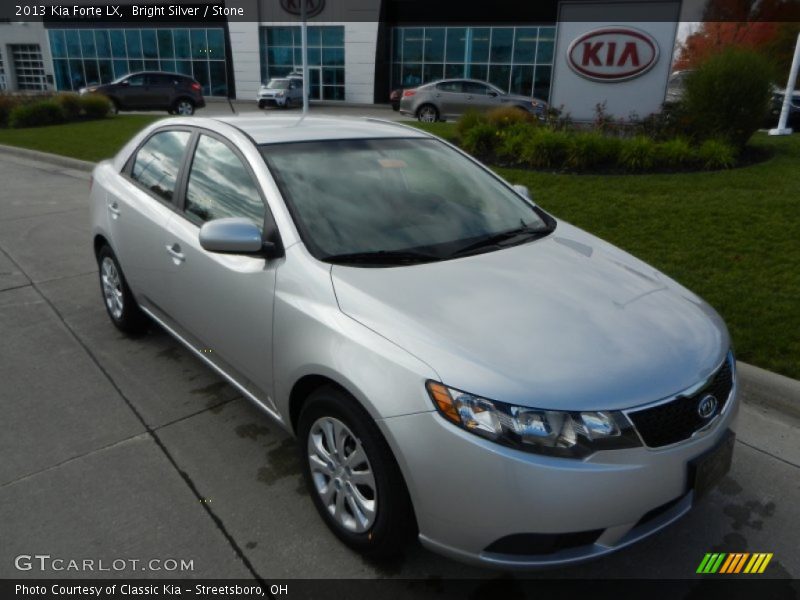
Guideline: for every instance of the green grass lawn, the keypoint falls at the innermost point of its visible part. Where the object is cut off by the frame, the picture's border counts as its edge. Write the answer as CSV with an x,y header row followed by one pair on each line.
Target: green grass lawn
x,y
87,140
731,236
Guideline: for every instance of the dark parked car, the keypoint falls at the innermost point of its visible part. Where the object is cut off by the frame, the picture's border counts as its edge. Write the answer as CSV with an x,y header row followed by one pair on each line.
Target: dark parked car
x,y
394,99
150,90
777,105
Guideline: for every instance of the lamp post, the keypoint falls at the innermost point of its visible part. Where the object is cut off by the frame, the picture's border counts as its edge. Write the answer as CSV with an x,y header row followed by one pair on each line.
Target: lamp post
x,y
781,129
304,37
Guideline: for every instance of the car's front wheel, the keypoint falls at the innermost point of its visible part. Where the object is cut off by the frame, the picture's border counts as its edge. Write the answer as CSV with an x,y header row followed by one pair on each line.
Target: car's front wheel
x,y
117,297
427,113
184,107
352,475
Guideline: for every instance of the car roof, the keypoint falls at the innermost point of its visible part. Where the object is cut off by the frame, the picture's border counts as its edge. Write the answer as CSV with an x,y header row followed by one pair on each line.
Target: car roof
x,y
277,130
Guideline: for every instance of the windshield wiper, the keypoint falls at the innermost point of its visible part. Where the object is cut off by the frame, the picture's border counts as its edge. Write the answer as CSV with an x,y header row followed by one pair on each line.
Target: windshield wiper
x,y
504,238
383,257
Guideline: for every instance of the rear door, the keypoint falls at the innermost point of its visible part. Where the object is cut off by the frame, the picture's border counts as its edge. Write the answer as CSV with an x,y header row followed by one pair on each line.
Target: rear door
x,y
223,303
450,97
160,90
140,207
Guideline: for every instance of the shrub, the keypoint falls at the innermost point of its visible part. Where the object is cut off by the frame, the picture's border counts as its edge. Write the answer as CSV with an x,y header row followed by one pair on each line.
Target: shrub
x,y
96,106
481,140
70,103
45,112
591,149
545,148
717,154
468,120
728,96
675,153
507,116
637,153
7,104
512,142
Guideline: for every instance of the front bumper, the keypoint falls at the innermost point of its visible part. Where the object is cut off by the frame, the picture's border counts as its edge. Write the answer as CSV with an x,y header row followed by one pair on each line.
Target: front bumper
x,y
271,100
471,494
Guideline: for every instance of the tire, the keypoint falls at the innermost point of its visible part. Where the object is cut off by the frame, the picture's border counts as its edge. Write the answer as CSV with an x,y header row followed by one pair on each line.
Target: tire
x,y
120,304
114,107
385,532
183,107
262,105
427,113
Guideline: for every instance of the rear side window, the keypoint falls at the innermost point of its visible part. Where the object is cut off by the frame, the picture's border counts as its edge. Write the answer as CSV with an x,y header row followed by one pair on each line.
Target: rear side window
x,y
157,163
220,185
161,79
451,86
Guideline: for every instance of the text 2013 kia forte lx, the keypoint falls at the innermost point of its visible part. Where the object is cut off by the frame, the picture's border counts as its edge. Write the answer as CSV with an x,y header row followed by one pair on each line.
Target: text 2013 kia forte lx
x,y
456,363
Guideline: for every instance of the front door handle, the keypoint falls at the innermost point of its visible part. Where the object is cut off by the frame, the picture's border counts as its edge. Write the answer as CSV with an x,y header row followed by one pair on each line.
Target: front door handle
x,y
113,208
174,251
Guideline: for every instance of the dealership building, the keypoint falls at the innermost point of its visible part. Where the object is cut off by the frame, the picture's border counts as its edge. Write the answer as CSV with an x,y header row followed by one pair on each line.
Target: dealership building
x,y
573,54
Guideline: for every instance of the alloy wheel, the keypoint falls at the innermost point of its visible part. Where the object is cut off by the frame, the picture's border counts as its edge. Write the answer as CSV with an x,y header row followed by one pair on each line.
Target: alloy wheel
x,y
185,108
342,474
112,287
427,114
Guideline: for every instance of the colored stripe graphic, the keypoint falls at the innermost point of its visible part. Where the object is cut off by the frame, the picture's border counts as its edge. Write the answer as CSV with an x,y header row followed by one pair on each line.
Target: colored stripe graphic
x,y
765,563
728,563
741,562
703,563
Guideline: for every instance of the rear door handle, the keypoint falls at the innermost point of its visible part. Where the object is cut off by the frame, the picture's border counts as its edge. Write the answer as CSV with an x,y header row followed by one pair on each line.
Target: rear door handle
x,y
174,251
113,208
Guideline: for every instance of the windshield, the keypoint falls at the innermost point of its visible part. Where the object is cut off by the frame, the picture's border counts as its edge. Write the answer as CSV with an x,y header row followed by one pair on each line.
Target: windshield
x,y
278,84
397,196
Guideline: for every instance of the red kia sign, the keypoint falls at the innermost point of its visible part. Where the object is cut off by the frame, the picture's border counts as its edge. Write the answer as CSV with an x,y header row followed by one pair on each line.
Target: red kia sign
x,y
612,54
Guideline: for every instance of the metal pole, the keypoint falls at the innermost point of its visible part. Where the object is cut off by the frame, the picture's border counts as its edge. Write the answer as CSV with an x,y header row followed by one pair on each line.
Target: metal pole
x,y
304,31
787,96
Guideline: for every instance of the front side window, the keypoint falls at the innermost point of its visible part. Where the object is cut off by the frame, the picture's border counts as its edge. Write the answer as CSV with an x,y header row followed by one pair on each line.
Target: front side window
x,y
158,161
220,186
384,196
135,80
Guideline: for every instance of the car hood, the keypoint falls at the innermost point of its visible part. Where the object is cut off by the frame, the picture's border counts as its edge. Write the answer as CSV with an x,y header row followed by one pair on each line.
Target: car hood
x,y
567,321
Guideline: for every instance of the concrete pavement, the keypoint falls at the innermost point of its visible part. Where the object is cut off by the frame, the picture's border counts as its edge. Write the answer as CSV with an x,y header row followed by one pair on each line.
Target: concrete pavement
x,y
131,448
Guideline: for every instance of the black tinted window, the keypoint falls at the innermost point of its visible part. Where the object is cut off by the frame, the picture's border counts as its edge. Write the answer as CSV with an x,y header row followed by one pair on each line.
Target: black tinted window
x,y
161,79
135,80
157,163
220,186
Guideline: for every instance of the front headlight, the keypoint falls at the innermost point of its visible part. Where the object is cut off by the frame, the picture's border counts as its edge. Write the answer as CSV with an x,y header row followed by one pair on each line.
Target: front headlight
x,y
555,433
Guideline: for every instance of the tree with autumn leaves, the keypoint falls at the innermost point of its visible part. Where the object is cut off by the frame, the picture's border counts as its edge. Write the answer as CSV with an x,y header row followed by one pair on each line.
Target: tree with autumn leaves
x,y
769,27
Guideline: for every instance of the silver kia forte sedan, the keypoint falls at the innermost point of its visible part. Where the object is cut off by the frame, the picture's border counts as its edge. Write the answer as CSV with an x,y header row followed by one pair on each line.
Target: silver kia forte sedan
x,y
457,364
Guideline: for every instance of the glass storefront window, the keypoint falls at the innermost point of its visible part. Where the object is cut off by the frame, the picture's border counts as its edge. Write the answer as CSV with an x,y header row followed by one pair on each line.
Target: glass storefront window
x,y
91,56
515,59
281,53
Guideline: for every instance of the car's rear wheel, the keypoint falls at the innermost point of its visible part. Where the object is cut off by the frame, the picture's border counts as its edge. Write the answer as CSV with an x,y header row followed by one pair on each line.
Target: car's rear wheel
x,y
117,297
427,113
352,475
184,107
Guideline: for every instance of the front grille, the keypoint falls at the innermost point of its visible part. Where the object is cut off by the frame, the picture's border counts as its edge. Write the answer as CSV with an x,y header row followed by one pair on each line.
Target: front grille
x,y
678,419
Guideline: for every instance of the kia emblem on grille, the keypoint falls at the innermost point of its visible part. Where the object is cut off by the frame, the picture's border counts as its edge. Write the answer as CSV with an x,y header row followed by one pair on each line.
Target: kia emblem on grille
x,y
707,407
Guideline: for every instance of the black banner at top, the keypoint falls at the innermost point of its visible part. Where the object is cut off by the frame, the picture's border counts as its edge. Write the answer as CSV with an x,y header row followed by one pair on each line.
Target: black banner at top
x,y
407,12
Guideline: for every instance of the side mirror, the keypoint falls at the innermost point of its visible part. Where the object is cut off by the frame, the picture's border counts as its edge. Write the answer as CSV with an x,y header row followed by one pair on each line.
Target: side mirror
x,y
235,235
523,190
493,94
125,83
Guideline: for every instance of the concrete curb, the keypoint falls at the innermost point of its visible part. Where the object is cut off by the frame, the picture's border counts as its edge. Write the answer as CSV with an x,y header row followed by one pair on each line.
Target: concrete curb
x,y
759,386
53,159
756,385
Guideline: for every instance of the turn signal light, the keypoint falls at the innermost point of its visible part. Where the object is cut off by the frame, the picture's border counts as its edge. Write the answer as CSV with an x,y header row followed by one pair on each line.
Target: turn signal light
x,y
443,400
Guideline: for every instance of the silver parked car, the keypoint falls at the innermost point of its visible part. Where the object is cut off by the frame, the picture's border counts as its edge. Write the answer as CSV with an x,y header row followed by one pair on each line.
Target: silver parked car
x,y
455,362
283,92
450,98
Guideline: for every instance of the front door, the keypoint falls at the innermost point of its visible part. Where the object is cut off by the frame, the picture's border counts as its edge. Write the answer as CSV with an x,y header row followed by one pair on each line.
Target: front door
x,y
222,303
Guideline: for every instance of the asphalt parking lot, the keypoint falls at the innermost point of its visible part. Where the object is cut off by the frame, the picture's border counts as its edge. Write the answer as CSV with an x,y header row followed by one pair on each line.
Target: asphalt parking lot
x,y
131,448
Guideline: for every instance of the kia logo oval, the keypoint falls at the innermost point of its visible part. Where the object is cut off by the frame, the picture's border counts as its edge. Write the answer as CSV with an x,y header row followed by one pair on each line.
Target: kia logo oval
x,y
612,54
295,7
707,407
